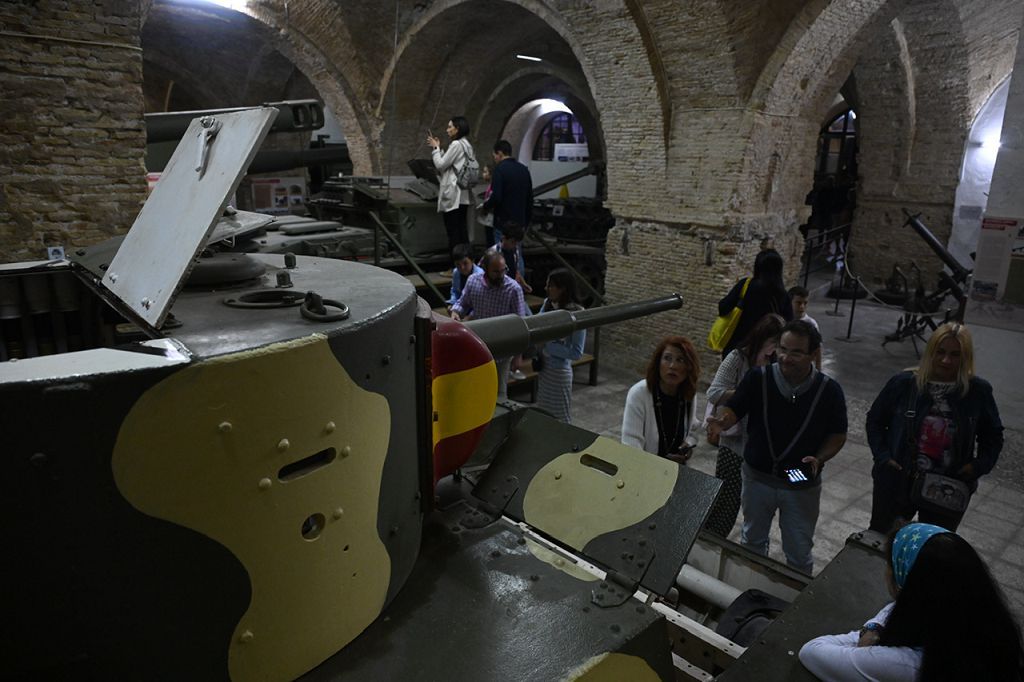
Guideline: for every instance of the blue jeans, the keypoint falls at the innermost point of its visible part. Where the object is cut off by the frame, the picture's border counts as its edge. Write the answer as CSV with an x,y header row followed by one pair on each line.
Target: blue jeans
x,y
798,514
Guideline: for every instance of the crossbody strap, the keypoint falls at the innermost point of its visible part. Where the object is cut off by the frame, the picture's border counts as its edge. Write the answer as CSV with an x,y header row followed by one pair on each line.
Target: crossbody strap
x,y
776,459
910,415
743,293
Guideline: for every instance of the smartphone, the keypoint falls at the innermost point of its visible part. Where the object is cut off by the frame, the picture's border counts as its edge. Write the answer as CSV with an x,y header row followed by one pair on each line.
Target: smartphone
x,y
801,474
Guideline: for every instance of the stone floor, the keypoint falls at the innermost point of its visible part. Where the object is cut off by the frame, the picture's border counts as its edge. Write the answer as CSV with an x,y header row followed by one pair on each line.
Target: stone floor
x,y
994,523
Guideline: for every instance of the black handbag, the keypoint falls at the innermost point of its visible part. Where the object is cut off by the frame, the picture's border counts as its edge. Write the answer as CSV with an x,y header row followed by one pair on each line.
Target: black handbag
x,y
931,492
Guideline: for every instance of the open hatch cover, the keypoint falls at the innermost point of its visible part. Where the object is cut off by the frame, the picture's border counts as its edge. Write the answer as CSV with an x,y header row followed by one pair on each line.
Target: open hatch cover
x,y
629,511
158,252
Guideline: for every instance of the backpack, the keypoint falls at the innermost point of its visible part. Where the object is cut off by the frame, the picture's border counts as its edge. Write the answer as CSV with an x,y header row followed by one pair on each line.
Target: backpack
x,y
467,176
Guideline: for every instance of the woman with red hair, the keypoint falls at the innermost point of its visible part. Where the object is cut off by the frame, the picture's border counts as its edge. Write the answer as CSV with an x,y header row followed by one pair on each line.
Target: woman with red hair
x,y
659,414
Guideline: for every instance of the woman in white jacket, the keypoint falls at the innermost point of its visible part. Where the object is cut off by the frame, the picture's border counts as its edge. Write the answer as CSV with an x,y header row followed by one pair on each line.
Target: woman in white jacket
x,y
659,414
452,200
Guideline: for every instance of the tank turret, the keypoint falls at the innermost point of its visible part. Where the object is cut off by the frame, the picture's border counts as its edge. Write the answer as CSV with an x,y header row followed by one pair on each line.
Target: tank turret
x,y
230,478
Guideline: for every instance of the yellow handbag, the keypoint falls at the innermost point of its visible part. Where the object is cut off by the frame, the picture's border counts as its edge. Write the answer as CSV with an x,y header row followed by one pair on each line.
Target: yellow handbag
x,y
725,325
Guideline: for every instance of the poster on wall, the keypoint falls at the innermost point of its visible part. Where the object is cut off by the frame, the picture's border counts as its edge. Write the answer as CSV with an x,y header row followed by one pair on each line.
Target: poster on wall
x,y
996,296
565,151
279,195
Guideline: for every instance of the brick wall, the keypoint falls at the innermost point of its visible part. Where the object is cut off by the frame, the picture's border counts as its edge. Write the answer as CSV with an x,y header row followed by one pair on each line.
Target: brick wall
x,y
648,259
72,138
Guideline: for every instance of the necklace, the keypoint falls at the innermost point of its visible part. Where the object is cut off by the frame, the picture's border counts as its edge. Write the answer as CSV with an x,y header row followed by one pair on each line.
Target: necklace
x,y
672,446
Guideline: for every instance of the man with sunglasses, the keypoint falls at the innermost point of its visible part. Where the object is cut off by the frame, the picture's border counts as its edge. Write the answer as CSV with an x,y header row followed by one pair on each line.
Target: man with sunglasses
x,y
797,422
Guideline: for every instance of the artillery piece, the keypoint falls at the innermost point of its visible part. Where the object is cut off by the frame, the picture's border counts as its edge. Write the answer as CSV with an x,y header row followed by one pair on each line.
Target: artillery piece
x,y
921,307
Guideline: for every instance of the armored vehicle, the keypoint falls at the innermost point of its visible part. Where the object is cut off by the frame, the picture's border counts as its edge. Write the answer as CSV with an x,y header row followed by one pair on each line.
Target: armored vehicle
x,y
301,473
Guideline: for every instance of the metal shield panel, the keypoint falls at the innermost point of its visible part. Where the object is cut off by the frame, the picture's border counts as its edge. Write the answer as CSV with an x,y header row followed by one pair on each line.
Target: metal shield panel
x,y
172,227
634,513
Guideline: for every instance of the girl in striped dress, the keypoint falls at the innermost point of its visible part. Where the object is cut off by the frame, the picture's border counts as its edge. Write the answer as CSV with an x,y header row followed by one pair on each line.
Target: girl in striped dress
x,y
554,389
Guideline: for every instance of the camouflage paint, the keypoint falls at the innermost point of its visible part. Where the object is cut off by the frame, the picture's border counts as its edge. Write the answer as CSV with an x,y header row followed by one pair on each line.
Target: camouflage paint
x,y
640,486
212,463
558,561
615,667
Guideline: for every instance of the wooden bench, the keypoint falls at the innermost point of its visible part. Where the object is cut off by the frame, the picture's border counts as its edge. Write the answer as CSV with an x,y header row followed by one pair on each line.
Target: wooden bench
x,y
530,378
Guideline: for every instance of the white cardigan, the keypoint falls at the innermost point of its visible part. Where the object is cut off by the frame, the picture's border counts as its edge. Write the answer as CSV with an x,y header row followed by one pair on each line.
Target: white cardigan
x,y
450,195
639,425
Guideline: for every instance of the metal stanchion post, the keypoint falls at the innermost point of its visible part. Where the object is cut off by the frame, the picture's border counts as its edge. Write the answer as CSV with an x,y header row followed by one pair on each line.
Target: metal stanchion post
x,y
853,309
839,290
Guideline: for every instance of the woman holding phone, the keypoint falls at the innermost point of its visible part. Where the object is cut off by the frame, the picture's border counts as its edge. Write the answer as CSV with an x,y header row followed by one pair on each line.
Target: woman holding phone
x,y
452,200
659,408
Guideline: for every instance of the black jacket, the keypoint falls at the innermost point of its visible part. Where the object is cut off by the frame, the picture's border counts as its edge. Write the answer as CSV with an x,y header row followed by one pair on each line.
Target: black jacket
x,y
977,422
511,194
758,302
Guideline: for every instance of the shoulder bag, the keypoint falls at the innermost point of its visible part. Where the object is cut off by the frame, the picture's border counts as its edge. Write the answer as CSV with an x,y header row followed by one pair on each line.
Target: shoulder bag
x,y
469,174
724,326
929,491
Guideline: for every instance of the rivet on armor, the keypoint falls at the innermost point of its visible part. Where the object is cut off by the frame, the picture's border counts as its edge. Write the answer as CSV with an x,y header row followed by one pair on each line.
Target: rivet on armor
x,y
284,444
346,451
246,637
338,513
224,427
329,427
558,475
264,484
620,484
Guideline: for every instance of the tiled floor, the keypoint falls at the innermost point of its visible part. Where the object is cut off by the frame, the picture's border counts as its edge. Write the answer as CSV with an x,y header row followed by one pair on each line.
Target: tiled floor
x,y
994,523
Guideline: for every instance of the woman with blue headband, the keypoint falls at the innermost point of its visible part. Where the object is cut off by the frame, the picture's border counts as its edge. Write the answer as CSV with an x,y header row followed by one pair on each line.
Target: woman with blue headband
x,y
949,621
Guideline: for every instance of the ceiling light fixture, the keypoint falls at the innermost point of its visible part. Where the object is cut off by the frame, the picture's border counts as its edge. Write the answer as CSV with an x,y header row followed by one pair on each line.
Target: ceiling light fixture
x,y
528,58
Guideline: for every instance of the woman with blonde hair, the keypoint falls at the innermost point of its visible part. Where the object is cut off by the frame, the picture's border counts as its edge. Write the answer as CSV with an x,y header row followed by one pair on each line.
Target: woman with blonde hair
x,y
936,418
659,414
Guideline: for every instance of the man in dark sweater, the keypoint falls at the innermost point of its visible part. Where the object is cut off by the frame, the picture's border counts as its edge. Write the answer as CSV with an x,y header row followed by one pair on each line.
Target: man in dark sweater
x,y
511,189
796,422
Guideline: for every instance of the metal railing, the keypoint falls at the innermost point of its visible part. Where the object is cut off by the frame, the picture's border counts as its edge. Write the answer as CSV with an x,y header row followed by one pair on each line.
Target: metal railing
x,y
817,243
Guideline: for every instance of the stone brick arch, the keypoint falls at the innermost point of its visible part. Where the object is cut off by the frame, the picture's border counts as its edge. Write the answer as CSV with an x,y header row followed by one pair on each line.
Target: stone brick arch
x,y
314,36
533,83
599,42
792,94
934,109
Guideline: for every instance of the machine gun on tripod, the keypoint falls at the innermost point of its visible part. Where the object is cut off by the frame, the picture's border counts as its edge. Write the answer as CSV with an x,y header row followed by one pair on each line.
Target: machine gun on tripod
x,y
921,308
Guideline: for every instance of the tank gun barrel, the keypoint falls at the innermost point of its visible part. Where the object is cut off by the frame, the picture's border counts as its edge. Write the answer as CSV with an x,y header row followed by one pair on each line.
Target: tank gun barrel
x,y
593,168
960,273
272,160
510,334
296,114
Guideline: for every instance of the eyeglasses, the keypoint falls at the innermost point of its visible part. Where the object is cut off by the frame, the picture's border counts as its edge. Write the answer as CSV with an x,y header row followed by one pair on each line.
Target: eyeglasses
x,y
791,353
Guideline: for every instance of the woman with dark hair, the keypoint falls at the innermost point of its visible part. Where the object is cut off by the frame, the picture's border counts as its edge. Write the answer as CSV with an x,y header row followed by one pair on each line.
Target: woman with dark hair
x,y
928,420
659,408
554,383
766,294
452,200
949,620
756,350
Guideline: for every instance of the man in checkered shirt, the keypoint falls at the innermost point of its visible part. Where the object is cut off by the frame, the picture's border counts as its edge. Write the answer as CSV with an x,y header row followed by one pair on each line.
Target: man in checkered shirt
x,y
491,294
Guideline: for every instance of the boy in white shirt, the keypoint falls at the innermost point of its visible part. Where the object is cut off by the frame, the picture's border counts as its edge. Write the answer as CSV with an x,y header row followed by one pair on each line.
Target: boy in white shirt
x,y
800,297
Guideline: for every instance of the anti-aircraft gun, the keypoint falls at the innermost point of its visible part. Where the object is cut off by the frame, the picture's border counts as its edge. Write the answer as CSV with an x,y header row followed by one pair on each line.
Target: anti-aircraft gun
x,y
921,307
248,489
